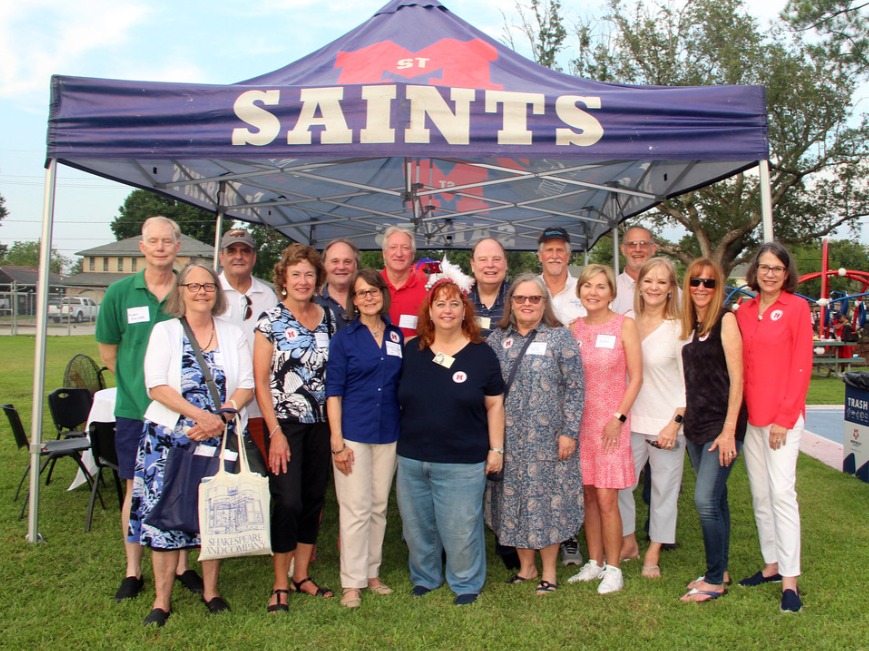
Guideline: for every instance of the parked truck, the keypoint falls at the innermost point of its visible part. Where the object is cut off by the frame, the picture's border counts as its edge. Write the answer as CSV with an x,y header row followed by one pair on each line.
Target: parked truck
x,y
74,308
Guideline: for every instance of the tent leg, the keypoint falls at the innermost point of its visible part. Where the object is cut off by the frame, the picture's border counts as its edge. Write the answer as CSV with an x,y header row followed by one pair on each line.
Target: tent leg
x,y
766,201
615,232
218,228
38,392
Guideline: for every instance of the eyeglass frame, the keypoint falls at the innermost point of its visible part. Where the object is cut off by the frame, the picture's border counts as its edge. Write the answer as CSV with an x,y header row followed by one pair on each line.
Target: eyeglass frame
x,y
518,299
708,283
194,288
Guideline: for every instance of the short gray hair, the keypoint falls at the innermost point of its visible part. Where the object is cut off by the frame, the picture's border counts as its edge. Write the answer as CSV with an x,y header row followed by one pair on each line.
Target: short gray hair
x,y
393,230
160,219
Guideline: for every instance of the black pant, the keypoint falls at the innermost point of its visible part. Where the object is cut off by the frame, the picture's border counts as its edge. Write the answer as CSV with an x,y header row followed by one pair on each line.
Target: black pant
x,y
297,495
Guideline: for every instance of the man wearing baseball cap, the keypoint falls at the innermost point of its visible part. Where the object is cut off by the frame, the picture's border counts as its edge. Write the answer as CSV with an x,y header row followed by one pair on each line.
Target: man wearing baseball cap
x,y
246,298
553,251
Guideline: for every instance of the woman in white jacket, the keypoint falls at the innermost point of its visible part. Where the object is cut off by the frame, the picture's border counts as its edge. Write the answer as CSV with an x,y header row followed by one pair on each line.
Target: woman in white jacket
x,y
182,413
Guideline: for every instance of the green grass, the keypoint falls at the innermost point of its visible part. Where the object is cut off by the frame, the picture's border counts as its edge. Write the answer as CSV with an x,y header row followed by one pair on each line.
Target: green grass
x,y
58,595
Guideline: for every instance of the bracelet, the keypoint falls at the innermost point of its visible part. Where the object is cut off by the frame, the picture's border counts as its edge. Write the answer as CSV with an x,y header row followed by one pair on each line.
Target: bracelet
x,y
498,450
343,447
275,429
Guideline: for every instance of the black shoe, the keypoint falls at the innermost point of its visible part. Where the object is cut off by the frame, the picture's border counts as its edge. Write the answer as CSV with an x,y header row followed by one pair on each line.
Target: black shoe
x,y
466,599
420,591
759,579
130,588
216,605
191,580
669,547
791,601
157,616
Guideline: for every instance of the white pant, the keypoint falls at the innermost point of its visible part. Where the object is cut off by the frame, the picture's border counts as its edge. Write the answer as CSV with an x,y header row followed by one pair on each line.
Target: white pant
x,y
772,475
362,500
666,480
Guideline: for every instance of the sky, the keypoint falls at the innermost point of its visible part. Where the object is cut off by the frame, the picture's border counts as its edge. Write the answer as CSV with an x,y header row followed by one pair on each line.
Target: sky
x,y
193,41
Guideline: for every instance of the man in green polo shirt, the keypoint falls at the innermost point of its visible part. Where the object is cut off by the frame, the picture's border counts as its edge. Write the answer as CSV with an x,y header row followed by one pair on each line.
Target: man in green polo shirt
x,y
129,311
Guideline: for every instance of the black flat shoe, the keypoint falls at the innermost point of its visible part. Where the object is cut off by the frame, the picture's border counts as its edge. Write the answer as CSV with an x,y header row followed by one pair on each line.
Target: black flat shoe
x,y
130,588
216,605
279,607
157,616
191,580
759,579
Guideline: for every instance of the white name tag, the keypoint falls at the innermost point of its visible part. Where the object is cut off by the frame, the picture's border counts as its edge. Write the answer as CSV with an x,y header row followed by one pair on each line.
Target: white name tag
x,y
206,450
537,348
444,360
605,341
484,322
217,356
393,349
322,339
138,314
407,321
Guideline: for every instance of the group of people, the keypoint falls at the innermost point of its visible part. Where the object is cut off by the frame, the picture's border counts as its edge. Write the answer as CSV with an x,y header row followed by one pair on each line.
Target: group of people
x,y
558,389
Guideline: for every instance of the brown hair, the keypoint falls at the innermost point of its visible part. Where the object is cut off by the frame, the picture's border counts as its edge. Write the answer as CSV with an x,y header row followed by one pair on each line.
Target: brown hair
x,y
175,304
778,250
373,278
425,329
293,255
689,312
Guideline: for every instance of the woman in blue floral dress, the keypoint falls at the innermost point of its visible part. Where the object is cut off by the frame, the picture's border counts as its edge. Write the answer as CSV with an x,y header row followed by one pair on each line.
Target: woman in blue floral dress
x,y
182,414
539,503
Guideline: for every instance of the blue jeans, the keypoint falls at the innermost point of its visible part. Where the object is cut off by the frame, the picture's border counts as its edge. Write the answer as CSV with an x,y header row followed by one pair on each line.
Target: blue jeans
x,y
441,507
710,498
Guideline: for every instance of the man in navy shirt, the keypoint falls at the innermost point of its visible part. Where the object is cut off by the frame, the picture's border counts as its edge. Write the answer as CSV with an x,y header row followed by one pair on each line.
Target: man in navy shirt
x,y
489,266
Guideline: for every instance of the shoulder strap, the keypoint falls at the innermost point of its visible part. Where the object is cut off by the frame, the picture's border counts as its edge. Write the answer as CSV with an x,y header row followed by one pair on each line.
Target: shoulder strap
x,y
203,365
515,368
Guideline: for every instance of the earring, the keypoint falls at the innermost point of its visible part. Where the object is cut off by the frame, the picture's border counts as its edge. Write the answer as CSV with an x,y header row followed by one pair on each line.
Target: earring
x,y
669,294
284,293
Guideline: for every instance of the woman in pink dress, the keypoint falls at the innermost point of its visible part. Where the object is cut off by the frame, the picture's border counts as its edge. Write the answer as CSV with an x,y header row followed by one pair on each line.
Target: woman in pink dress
x,y
612,360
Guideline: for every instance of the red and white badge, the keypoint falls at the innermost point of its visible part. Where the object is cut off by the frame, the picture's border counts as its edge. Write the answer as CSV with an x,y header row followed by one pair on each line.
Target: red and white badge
x,y
508,343
776,315
459,377
291,334
393,336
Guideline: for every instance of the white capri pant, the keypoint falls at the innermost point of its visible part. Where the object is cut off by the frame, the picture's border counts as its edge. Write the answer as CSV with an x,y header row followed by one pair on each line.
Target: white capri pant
x,y
667,468
363,496
772,475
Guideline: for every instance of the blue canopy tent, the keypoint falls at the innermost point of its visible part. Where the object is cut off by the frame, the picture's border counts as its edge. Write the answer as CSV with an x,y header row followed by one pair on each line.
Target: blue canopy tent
x,y
415,117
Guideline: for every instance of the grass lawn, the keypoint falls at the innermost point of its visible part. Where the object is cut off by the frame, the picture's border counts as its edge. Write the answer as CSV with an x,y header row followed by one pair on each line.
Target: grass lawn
x,y
58,595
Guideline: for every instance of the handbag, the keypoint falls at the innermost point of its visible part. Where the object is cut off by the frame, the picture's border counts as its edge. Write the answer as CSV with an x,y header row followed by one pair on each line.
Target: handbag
x,y
234,509
177,508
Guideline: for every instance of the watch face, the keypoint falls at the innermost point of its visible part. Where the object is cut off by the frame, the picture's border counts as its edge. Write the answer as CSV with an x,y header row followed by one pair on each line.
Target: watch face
x,y
679,418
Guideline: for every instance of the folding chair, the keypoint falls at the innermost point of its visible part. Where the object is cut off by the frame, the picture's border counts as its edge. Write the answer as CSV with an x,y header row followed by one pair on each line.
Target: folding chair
x,y
51,450
69,409
102,436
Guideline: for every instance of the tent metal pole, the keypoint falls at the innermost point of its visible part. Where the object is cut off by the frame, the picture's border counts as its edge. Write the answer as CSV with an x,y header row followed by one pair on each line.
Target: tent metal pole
x,y
218,227
38,392
766,201
615,233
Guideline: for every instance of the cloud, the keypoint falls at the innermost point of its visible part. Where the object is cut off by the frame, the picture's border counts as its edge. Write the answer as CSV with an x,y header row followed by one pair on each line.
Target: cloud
x,y
44,37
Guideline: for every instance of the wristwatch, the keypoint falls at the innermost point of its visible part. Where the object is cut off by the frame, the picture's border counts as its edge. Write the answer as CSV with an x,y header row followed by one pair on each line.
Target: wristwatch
x,y
678,418
620,416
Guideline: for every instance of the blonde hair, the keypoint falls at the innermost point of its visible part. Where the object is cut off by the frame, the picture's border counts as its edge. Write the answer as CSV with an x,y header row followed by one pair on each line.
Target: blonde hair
x,y
671,309
592,270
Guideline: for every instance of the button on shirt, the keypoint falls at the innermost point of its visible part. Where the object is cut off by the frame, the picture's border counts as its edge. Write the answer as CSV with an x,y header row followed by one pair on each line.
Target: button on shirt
x,y
342,318
365,376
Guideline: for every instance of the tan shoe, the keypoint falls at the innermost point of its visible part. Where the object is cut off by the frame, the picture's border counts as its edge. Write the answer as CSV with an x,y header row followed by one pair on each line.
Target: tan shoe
x,y
379,587
352,598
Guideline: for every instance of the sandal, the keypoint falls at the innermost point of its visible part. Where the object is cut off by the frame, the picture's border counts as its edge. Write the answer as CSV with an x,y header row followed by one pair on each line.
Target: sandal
x,y
352,598
545,587
379,587
651,572
705,596
326,593
516,579
278,607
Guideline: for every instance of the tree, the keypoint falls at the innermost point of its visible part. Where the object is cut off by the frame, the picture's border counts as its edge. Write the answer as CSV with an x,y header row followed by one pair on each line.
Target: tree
x,y
269,245
843,24
3,212
545,29
817,151
26,254
142,204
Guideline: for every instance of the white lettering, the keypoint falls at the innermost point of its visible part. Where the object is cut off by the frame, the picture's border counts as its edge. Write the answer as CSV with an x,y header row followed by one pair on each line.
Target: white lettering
x,y
590,130
328,102
515,114
404,64
267,125
426,101
379,102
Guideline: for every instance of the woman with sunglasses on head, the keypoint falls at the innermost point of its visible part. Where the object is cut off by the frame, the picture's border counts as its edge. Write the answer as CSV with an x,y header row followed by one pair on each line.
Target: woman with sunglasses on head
x,y
539,502
362,404
777,354
656,417
613,363
714,424
181,414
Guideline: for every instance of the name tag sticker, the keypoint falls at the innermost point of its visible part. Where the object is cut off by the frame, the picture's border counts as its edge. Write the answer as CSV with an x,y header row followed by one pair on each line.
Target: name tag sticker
x,y
407,321
138,314
484,322
322,339
605,341
393,349
443,360
229,455
537,348
206,450
217,356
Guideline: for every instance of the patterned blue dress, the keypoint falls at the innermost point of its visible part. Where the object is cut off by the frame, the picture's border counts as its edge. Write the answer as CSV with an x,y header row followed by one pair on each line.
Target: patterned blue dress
x,y
154,447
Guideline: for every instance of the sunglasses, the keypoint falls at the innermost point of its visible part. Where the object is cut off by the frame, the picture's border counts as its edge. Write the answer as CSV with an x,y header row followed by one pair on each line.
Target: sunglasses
x,y
534,300
248,310
708,283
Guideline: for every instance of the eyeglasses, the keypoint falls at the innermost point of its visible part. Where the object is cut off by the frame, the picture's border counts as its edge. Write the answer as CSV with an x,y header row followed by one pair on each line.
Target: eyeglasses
x,y
764,269
534,300
195,287
641,244
248,311
708,283
362,293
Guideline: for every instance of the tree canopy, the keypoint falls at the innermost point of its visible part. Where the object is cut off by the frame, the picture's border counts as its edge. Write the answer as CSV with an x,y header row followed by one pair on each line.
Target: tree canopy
x,y
142,204
26,254
843,24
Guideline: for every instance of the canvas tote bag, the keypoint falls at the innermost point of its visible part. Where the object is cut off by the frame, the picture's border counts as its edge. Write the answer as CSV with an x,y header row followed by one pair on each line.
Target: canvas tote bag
x,y
234,510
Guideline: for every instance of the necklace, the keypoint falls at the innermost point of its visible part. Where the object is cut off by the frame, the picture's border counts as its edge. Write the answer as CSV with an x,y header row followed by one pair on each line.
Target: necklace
x,y
210,338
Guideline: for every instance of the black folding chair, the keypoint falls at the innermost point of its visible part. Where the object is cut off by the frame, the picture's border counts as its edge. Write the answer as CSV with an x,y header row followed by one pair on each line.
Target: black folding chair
x,y
102,437
51,450
69,409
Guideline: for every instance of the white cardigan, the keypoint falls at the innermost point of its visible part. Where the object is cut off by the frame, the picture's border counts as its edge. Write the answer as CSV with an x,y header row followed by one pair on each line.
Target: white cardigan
x,y
163,365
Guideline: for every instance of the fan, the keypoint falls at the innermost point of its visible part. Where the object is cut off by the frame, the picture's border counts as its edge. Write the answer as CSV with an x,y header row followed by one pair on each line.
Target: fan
x,y
82,372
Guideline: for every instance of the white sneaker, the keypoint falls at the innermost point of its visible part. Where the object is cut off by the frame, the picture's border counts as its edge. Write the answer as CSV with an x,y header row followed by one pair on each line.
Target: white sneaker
x,y
612,580
591,571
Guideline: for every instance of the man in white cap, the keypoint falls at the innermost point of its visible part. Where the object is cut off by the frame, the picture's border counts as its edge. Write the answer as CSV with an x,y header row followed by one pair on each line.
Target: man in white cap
x,y
246,298
553,251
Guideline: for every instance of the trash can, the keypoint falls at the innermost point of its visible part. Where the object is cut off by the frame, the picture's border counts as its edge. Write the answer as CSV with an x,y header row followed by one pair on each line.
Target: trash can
x,y
856,440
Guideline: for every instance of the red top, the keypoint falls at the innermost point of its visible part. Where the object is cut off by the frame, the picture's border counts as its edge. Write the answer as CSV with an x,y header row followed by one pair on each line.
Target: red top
x,y
777,357
406,301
